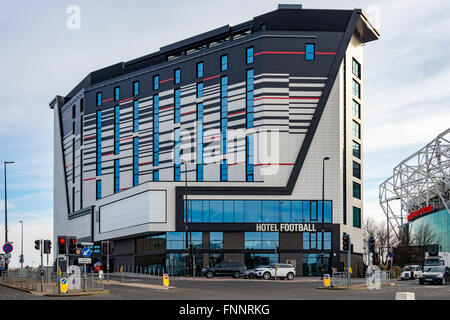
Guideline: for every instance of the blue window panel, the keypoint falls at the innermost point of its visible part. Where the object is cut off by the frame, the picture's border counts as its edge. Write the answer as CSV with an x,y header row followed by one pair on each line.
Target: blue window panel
x,y
249,158
310,51
215,240
99,189
177,76
306,240
177,103
253,240
196,210
313,241
228,211
99,143
249,55
135,116
136,88
156,175
116,130
319,240
99,99
199,69
205,215
224,86
250,99
116,176
253,211
269,240
177,173
156,82
224,171
327,241
319,211
296,211
328,218
313,211
216,211
306,211
200,90
223,63
135,161
199,172
285,211
239,213
116,94
156,132
270,211
200,112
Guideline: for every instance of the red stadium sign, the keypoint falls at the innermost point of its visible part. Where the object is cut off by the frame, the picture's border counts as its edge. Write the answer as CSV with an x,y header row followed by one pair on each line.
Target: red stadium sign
x,y
419,212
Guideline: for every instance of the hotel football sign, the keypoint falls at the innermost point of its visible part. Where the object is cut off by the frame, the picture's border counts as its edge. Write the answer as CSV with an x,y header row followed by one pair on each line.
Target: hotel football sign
x,y
285,227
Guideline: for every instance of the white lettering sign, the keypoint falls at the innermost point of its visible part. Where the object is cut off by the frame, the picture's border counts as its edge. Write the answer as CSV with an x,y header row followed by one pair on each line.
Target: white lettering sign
x,y
286,227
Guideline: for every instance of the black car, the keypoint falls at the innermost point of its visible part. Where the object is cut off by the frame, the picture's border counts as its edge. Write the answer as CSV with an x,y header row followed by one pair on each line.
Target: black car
x,y
435,275
224,269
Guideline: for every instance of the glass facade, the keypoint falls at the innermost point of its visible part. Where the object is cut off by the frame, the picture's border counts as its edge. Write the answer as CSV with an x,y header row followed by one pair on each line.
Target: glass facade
x,y
249,55
224,126
116,130
155,132
135,161
223,63
253,260
356,150
215,240
258,211
439,223
356,217
199,69
200,142
135,88
177,105
262,240
177,76
312,263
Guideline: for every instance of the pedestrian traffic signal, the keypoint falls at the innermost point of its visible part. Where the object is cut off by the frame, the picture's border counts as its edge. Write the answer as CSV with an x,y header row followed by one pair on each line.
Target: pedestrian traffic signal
x,y
371,244
47,246
72,245
345,242
62,245
37,244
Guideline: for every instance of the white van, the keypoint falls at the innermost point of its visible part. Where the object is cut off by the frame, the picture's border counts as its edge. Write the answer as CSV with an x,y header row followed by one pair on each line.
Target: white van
x,y
411,272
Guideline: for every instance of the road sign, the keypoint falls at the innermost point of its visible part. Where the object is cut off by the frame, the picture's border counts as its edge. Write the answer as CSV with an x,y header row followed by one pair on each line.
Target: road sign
x,y
166,280
86,252
7,248
326,280
84,261
63,285
85,244
78,251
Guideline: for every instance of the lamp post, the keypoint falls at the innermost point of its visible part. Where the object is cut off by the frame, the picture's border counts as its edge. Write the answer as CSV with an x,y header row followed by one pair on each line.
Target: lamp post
x,y
6,208
21,245
323,216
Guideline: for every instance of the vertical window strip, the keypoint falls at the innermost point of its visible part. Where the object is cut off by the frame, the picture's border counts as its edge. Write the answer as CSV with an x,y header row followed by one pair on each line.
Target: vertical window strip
x,y
200,90
73,160
310,51
200,142
98,189
156,82
99,99
116,130
156,130
177,76
116,93
177,173
116,175
136,116
224,126
135,88
81,179
177,105
249,98
250,55
249,157
224,63
99,142
135,161
200,70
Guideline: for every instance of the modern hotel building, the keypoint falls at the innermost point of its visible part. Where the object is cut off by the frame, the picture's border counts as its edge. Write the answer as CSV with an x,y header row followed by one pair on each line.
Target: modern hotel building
x,y
244,141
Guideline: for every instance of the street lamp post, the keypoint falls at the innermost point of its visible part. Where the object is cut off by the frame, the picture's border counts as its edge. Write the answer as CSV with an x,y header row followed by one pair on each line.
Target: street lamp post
x,y
6,208
323,216
21,245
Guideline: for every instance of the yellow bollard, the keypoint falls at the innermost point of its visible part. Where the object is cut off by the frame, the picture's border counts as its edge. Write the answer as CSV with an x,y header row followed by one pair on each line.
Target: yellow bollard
x,y
166,280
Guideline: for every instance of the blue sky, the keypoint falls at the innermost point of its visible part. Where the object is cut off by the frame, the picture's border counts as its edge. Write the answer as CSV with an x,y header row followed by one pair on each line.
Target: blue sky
x,y
405,96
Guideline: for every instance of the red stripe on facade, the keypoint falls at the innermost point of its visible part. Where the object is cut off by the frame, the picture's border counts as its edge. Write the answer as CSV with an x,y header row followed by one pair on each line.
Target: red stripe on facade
x,y
162,81
124,100
213,77
124,189
325,53
68,165
212,138
126,138
293,52
291,98
235,113
189,112
107,154
93,136
65,117
165,108
106,100
143,163
77,191
233,164
90,179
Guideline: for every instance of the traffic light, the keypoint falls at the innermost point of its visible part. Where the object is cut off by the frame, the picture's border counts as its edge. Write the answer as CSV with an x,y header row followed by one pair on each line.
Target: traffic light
x,y
47,246
72,245
371,244
278,250
345,242
37,244
62,245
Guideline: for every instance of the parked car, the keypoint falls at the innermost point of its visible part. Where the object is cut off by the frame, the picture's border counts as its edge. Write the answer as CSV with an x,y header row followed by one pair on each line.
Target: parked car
x,y
411,272
234,269
268,272
435,275
250,273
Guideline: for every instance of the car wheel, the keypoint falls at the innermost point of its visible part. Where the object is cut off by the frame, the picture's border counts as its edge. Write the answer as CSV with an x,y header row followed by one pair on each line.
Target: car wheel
x,y
250,275
266,275
209,274
236,274
290,276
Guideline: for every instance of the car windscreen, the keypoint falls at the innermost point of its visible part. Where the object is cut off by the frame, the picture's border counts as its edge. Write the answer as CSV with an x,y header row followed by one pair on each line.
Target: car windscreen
x,y
433,262
407,268
434,269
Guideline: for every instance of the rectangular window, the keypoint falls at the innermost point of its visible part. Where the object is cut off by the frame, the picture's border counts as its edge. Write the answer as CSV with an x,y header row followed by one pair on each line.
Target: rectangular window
x,y
310,51
156,131
135,161
250,55
249,158
116,176
223,63
74,111
356,129
156,82
356,150
81,105
270,211
262,240
224,126
81,130
73,160
356,190
249,98
306,241
177,105
98,189
177,173
116,93
356,68
215,240
116,130
156,175
200,90
356,108
356,170
356,217
252,211
99,99
356,88
135,116
99,142
216,211
135,88
200,142
177,76
199,69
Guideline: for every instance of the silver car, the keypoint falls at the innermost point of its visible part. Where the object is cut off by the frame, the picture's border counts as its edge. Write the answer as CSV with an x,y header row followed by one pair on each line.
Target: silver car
x,y
281,271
